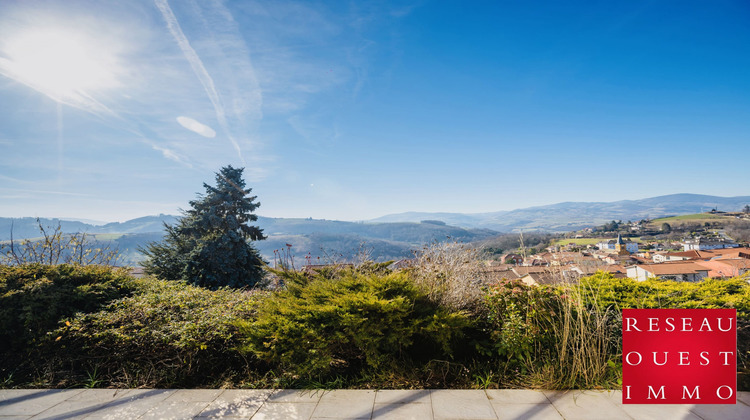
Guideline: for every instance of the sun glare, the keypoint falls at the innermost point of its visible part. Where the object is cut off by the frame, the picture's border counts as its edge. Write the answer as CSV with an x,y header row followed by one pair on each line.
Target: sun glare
x,y
60,63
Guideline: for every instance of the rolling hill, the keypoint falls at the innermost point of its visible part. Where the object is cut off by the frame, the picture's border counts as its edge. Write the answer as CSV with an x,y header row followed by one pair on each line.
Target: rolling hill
x,y
393,236
563,217
327,239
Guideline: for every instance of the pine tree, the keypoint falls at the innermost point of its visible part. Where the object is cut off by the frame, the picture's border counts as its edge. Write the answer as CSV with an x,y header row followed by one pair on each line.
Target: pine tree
x,y
208,246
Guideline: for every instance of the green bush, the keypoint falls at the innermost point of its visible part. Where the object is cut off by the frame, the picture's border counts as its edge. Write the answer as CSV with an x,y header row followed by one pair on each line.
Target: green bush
x,y
34,298
605,291
321,327
70,326
519,319
569,336
168,334
547,337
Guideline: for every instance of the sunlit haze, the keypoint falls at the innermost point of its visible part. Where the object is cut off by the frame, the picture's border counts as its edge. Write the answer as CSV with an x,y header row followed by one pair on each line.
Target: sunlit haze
x,y
58,62
353,110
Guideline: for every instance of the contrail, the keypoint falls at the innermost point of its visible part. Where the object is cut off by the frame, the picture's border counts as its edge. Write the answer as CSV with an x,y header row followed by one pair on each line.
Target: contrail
x,y
199,69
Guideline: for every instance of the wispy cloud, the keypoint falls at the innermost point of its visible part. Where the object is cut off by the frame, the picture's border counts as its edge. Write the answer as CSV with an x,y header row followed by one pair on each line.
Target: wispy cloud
x,y
12,179
142,82
45,192
303,51
196,126
200,71
298,52
172,155
316,134
242,75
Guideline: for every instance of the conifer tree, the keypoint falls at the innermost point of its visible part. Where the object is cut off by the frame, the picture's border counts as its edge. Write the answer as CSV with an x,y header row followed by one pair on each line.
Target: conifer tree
x,y
208,246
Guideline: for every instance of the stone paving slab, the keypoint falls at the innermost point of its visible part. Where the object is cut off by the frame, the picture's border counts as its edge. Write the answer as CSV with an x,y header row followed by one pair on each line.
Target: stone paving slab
x,y
402,411
80,405
659,412
461,404
285,410
443,404
32,402
402,396
133,405
511,411
236,403
743,397
586,405
738,411
194,395
516,396
295,396
175,410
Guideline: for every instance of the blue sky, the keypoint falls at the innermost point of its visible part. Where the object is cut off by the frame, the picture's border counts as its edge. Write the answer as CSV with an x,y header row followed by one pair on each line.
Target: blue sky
x,y
112,110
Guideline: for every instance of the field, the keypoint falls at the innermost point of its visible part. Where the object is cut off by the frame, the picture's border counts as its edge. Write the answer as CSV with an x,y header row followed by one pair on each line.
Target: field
x,y
107,236
586,241
699,218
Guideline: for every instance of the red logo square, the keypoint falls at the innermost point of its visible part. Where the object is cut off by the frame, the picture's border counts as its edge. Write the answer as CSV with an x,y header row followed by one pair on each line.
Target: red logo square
x,y
679,356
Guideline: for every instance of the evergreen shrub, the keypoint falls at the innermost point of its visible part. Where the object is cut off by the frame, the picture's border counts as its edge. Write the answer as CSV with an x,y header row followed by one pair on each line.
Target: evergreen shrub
x,y
604,290
169,334
35,297
320,327
519,321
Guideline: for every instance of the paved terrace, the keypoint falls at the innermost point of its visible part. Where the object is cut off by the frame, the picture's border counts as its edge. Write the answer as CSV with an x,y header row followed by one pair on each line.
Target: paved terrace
x,y
346,404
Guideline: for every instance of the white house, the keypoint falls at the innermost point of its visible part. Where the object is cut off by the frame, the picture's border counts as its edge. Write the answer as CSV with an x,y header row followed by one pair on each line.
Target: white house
x,y
676,256
703,244
680,271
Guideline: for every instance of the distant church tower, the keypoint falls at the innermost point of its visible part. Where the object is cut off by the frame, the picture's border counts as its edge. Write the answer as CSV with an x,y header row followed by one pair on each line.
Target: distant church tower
x,y
620,247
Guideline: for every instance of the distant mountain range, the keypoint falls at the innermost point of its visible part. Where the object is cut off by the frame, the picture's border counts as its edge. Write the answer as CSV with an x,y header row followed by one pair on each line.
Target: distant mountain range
x,y
27,227
393,236
322,240
568,216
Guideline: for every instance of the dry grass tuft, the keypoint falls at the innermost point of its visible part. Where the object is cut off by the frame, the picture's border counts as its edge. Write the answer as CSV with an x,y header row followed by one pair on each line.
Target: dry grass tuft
x,y
452,274
586,348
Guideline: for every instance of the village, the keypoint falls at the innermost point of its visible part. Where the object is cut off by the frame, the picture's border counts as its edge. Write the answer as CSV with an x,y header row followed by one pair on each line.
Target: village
x,y
699,258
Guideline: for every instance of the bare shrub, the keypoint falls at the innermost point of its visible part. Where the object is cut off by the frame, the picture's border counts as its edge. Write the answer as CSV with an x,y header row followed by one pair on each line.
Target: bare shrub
x,y
739,230
55,247
363,257
452,274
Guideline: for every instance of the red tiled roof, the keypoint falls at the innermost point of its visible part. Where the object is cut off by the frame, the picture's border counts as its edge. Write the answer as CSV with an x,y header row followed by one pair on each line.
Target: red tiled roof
x,y
693,254
730,253
544,278
524,270
679,267
726,267
615,268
